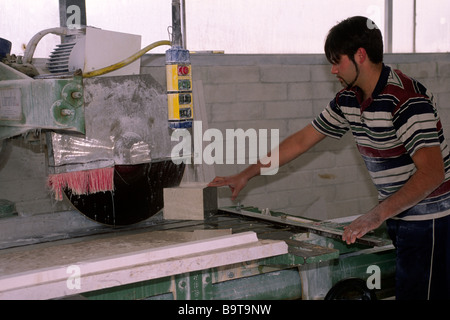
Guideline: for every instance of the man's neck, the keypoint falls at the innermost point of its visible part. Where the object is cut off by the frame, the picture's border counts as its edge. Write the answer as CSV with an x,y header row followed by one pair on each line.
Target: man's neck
x,y
369,79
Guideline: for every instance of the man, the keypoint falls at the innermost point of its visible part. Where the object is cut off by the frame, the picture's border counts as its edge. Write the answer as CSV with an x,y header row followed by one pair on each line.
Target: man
x,y
399,135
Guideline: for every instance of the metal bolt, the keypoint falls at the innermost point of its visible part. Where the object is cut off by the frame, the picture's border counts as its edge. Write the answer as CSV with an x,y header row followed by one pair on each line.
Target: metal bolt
x,y
66,112
77,95
182,284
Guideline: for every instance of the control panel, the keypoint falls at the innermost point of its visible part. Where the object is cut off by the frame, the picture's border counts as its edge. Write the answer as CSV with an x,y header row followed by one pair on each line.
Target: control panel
x,y
179,91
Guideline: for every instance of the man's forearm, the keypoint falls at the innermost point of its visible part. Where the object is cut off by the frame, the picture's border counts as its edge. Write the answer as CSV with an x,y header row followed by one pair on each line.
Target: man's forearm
x,y
419,186
288,150
428,177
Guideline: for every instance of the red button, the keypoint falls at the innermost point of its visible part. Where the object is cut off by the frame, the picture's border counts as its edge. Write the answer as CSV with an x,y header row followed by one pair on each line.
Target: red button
x,y
183,70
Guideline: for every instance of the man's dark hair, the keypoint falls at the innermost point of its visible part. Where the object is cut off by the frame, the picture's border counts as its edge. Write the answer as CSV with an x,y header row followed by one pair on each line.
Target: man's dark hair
x,y
351,34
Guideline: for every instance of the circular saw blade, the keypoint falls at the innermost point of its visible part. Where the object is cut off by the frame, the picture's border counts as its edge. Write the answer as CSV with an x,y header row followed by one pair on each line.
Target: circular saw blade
x,y
137,195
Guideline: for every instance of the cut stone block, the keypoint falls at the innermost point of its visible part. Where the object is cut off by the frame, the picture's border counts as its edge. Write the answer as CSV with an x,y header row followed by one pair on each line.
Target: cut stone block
x,y
192,201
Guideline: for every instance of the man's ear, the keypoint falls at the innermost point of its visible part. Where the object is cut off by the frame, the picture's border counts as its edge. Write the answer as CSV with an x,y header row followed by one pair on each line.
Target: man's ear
x,y
361,56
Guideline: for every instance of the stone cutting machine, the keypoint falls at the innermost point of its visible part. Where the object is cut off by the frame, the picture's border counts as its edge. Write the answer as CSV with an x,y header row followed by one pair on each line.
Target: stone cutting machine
x,y
107,127
103,132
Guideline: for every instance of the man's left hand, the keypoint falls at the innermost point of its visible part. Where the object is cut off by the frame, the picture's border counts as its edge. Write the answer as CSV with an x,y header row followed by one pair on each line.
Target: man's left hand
x,y
359,227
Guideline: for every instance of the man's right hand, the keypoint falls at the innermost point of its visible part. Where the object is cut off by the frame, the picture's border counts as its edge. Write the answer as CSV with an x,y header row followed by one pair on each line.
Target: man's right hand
x,y
236,183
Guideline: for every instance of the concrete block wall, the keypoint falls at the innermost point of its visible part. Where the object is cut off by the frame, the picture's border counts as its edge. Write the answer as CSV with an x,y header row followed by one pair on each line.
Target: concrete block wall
x,y
283,92
286,92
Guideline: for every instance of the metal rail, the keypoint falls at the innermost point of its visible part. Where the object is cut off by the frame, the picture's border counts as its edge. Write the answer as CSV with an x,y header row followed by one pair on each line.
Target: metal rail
x,y
314,227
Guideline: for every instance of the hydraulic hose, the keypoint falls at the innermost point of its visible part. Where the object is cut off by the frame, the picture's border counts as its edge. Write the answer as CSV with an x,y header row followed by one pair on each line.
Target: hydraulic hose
x,y
127,61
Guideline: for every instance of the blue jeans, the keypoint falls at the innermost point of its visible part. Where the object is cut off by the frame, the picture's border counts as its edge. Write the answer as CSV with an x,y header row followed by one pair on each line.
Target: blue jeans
x,y
423,258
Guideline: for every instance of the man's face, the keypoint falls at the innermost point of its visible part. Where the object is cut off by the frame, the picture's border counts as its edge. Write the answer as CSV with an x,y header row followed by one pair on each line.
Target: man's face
x,y
346,71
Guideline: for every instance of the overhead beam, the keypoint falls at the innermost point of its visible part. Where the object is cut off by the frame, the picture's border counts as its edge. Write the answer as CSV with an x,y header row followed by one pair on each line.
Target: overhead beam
x,y
72,13
388,21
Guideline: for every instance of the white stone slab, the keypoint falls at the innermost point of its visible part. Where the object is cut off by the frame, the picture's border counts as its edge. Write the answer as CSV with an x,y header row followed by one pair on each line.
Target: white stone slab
x,y
69,277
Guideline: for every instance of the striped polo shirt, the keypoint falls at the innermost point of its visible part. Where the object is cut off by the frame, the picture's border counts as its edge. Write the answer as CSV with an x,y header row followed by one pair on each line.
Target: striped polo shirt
x,y
399,119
